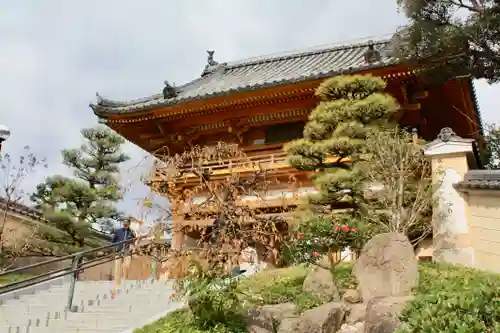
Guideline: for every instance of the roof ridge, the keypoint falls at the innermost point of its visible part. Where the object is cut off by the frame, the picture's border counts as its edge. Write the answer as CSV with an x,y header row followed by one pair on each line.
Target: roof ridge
x,y
200,84
312,50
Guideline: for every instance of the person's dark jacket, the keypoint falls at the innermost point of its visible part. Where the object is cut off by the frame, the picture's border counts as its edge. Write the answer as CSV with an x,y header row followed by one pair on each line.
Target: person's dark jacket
x,y
121,235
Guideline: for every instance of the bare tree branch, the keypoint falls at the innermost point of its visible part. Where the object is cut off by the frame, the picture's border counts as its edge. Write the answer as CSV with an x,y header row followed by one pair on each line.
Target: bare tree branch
x,y
209,183
401,174
15,243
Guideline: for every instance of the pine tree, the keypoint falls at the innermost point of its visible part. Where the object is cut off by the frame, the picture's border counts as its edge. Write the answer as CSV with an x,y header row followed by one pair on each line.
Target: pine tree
x,y
334,136
467,31
351,108
74,204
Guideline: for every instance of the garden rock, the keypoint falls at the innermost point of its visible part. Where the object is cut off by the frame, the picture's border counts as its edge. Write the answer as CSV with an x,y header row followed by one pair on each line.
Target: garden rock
x,y
287,325
249,261
265,319
382,314
387,267
352,328
320,283
356,314
352,296
326,318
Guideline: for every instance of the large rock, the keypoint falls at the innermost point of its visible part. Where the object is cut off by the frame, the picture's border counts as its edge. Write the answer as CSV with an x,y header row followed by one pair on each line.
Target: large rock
x,y
287,325
387,267
320,283
356,313
326,318
352,296
382,314
249,261
352,328
266,319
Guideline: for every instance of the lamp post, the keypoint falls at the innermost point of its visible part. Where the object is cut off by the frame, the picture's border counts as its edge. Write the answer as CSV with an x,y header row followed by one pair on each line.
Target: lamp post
x,y
4,134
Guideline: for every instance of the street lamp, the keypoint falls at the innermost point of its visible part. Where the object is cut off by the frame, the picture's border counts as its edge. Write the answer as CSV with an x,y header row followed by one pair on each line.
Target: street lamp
x,y
4,134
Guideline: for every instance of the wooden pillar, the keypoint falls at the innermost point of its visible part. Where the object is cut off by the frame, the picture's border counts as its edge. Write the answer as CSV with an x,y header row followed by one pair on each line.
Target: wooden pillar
x,y
451,157
178,237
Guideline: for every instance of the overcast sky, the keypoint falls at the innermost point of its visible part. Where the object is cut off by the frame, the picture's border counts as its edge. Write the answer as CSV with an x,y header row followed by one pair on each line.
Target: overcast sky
x,y
55,55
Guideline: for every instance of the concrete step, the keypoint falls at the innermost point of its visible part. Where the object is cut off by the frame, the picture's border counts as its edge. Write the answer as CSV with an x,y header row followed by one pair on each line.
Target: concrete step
x,y
98,311
65,330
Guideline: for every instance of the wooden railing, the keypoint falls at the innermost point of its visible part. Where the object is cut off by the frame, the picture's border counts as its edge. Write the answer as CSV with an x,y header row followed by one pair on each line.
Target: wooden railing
x,y
269,161
273,160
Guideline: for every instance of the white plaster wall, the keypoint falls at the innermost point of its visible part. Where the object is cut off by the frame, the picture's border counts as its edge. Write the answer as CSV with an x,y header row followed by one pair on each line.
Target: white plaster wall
x,y
347,254
452,212
451,223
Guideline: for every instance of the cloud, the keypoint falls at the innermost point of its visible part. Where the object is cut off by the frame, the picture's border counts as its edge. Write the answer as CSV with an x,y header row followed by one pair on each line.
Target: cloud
x,y
55,54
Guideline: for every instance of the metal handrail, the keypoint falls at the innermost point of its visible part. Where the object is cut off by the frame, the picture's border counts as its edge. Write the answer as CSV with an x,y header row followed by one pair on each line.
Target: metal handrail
x,y
70,256
72,269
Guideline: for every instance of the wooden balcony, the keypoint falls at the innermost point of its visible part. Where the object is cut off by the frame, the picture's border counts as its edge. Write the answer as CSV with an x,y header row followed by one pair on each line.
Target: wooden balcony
x,y
261,203
272,160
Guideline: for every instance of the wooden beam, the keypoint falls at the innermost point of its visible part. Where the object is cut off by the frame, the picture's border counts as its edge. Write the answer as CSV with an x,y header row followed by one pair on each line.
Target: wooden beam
x,y
412,107
209,222
420,95
160,127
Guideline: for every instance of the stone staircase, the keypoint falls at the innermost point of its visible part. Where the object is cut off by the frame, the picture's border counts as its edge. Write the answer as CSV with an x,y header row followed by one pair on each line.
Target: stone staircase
x,y
132,305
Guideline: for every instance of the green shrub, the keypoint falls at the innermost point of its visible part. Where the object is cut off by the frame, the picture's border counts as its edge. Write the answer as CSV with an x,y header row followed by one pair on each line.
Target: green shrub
x,y
344,277
318,235
305,301
274,287
454,299
212,300
182,321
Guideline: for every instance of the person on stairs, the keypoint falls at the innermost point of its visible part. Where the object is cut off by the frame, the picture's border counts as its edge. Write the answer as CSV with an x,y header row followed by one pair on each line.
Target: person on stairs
x,y
122,260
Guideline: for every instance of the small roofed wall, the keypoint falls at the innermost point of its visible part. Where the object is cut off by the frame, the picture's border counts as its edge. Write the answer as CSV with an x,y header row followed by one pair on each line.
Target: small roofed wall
x,y
468,230
482,190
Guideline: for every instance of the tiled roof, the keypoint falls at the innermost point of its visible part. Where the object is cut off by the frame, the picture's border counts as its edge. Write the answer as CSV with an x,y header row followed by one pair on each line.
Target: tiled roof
x,y
21,209
261,72
481,179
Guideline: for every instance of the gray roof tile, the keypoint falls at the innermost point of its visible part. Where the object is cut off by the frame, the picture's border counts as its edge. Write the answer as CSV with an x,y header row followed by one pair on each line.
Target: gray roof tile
x,y
481,179
261,72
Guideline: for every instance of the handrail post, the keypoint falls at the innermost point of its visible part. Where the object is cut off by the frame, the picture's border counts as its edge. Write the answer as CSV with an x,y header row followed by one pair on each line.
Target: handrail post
x,y
73,275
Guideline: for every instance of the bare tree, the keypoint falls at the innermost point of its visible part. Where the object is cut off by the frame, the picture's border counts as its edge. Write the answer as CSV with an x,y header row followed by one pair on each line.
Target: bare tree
x,y
14,173
219,177
400,189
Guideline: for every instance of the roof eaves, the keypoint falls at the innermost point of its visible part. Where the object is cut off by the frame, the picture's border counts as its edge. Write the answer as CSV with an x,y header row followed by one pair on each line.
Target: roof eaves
x,y
480,179
478,185
103,110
